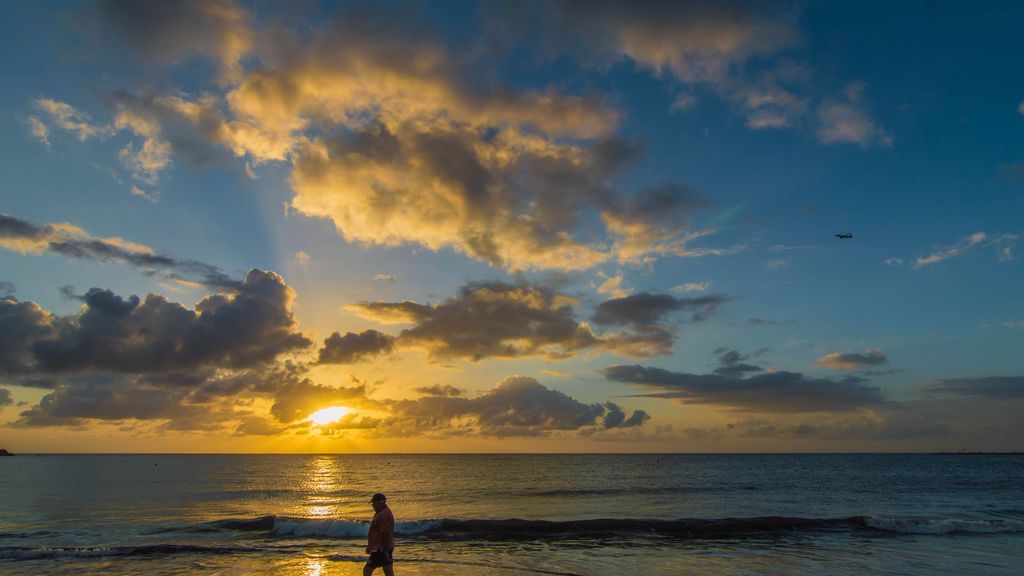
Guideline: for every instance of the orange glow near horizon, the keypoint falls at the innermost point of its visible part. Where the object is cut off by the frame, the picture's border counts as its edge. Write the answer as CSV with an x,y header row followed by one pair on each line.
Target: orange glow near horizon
x,y
328,415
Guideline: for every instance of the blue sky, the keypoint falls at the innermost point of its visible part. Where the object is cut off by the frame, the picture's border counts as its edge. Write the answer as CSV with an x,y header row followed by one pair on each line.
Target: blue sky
x,y
583,155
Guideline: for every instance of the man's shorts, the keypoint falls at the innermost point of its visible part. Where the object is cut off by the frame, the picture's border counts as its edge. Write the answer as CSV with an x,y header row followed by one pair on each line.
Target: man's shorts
x,y
379,558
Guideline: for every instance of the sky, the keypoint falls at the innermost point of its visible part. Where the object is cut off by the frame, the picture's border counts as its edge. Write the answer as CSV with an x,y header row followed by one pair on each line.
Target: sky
x,y
511,227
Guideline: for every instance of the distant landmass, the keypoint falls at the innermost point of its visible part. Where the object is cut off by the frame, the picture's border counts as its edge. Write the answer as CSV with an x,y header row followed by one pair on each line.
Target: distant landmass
x,y
4,452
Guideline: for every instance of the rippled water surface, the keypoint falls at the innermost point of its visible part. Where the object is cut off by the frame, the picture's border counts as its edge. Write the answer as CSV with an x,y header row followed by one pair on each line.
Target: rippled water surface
x,y
515,514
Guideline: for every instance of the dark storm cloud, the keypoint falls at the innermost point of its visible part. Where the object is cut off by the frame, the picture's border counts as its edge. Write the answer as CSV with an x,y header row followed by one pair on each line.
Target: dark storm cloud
x,y
439,390
355,347
111,333
5,398
853,361
991,387
73,242
770,392
516,406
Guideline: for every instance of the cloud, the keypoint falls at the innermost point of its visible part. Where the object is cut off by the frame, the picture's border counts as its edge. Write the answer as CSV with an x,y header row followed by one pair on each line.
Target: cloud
x,y
38,130
771,392
5,398
990,387
6,288
692,41
484,320
1019,324
67,118
847,121
355,347
645,311
499,320
516,406
941,254
438,390
849,362
133,335
147,162
385,278
894,261
297,400
71,241
730,363
692,287
612,286
302,257
152,197
169,32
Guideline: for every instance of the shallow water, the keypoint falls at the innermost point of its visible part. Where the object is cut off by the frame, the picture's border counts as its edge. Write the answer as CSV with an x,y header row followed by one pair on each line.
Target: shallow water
x,y
578,514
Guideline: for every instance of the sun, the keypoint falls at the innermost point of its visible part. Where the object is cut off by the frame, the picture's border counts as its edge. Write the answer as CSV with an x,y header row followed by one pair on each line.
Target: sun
x,y
328,415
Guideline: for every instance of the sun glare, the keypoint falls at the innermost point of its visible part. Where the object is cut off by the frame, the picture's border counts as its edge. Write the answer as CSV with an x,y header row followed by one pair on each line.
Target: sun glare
x,y
328,415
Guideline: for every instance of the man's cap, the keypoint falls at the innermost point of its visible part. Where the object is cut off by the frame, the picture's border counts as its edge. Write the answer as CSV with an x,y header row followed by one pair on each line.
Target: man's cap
x,y
378,497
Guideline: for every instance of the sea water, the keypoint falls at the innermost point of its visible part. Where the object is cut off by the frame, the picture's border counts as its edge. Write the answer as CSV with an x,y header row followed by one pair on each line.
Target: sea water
x,y
514,514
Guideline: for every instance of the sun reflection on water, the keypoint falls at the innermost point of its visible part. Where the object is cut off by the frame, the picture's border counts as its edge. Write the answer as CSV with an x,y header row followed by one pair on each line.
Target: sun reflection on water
x,y
322,485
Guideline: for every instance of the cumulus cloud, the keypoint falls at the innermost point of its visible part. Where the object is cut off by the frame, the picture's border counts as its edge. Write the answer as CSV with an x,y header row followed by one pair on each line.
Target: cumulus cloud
x,y
516,406
72,241
771,392
484,320
852,361
847,121
495,319
385,278
133,335
355,347
408,150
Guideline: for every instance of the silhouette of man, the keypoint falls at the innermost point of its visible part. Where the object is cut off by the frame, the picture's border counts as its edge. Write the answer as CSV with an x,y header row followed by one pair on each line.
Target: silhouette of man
x,y
380,542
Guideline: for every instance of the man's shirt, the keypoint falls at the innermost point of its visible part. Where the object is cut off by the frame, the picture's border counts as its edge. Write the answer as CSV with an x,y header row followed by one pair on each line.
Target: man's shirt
x,y
382,530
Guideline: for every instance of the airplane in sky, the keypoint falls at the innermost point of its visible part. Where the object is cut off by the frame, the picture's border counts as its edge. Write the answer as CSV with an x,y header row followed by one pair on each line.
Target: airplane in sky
x,y
846,236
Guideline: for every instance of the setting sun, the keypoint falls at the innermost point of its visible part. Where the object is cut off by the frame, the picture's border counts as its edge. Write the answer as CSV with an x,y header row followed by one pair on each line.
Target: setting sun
x,y
328,415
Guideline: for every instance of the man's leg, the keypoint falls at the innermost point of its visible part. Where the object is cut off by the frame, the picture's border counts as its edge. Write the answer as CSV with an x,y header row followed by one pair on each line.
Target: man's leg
x,y
389,570
367,570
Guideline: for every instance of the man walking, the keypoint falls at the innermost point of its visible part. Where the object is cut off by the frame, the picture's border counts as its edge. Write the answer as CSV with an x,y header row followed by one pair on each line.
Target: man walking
x,y
381,538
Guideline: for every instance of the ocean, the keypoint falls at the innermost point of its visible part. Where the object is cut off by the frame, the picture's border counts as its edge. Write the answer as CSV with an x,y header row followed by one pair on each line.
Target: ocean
x,y
514,514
